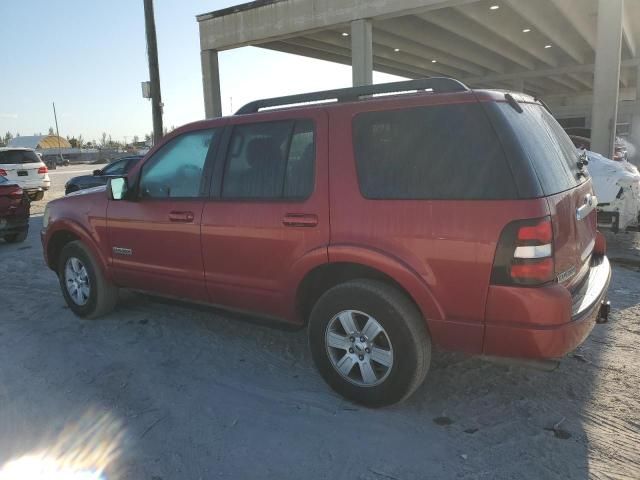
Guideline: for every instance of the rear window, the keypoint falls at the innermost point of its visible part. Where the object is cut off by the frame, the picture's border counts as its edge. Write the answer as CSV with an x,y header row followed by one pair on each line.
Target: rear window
x,y
11,157
436,152
546,145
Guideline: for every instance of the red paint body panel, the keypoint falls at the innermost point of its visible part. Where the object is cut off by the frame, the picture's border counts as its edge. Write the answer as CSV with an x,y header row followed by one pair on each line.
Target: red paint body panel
x,y
14,210
253,255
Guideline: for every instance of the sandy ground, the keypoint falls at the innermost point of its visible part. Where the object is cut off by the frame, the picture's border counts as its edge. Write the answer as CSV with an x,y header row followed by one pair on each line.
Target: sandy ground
x,y
179,392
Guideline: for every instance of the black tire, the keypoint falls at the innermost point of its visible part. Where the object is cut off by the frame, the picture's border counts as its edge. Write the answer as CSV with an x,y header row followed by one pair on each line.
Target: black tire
x,y
36,197
103,294
403,324
17,237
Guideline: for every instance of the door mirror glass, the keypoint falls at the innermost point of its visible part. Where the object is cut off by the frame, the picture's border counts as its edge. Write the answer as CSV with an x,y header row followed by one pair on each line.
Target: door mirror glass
x,y
118,188
97,173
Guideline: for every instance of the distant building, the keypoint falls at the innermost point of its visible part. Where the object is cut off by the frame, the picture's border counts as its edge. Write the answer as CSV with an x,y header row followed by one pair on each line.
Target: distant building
x,y
40,142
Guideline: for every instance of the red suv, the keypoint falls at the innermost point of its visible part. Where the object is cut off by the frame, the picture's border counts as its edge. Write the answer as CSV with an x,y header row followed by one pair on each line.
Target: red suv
x,y
432,215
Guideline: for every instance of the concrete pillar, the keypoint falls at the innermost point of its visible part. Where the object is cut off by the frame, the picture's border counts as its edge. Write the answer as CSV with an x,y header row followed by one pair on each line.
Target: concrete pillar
x,y
635,124
211,83
607,76
361,52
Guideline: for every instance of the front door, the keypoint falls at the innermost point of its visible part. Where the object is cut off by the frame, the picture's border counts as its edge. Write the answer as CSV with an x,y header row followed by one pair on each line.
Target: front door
x,y
155,235
269,212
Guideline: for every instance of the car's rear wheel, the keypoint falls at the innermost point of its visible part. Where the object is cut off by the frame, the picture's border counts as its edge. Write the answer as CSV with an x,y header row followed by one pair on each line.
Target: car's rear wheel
x,y
17,237
84,287
36,197
369,342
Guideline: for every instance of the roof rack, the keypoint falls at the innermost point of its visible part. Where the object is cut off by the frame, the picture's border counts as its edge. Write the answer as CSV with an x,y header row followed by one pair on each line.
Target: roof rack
x,y
435,84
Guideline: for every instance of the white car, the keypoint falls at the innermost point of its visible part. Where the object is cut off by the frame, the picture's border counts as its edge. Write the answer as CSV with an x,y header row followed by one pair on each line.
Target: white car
x,y
617,186
24,167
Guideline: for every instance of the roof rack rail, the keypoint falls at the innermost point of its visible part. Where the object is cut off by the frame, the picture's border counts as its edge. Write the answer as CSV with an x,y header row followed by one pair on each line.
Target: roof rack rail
x,y
436,84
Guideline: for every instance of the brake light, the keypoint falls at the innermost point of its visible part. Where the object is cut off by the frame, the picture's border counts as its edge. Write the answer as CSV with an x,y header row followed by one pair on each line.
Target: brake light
x,y
525,253
42,170
16,194
3,173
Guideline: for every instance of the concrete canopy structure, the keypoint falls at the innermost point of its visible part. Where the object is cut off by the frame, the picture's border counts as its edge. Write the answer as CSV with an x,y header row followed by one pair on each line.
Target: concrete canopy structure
x,y
581,56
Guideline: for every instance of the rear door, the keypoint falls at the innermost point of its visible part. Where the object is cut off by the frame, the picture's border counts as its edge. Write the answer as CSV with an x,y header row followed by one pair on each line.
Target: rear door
x,y
268,212
566,185
21,167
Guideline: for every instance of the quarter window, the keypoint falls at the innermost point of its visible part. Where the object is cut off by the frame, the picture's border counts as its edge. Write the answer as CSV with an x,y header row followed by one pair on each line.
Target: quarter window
x,y
176,171
437,152
271,160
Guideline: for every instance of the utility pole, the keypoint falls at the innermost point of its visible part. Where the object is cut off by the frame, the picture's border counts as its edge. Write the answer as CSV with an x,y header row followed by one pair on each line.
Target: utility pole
x,y
55,116
154,70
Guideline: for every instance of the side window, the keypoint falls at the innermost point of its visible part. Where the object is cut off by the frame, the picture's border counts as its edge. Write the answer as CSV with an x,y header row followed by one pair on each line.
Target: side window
x,y
116,168
270,160
176,170
437,152
299,179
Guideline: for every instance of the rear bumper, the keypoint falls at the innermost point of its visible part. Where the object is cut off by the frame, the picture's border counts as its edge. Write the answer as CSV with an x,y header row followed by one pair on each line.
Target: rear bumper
x,y
545,322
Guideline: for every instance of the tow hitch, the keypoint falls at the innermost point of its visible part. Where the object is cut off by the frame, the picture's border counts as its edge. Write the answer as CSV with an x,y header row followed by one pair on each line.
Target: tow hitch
x,y
603,315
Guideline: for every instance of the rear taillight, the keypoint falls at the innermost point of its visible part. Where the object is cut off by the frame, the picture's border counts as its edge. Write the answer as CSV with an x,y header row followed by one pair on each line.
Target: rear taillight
x,y
3,173
42,170
525,253
16,194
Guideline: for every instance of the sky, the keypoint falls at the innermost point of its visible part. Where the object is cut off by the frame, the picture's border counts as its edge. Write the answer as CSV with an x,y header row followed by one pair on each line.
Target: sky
x,y
90,58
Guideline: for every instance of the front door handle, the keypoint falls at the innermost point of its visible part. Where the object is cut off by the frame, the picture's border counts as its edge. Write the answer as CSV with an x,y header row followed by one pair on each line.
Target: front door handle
x,y
185,217
300,220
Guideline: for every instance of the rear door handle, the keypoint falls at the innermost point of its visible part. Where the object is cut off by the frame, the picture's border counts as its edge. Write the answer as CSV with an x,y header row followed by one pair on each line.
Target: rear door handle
x,y
300,220
181,217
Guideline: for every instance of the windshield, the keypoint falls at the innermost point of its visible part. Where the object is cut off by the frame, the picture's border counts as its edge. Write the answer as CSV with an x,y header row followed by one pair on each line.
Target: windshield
x,y
547,146
13,157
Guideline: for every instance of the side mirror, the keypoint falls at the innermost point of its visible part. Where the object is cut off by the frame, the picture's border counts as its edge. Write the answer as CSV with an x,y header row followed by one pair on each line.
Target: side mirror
x,y
118,188
97,173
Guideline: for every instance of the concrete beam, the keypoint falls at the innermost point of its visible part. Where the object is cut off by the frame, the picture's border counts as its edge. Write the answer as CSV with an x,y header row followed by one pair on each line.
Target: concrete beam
x,y
574,12
607,76
361,52
238,27
574,69
438,38
551,26
211,83
627,31
465,27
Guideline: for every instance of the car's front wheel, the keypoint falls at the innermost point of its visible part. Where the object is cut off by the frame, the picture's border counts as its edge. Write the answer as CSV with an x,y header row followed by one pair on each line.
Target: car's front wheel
x,y
36,197
369,342
84,287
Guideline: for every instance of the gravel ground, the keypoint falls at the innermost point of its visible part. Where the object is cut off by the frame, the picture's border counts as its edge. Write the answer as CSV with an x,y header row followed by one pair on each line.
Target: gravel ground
x,y
160,390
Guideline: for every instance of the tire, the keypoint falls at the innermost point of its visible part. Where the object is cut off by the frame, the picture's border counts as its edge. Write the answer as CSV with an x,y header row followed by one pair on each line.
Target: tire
x,y
17,237
36,197
404,338
102,295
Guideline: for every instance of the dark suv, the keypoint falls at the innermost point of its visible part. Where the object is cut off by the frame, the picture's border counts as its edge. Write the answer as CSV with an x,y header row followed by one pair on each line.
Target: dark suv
x,y
432,215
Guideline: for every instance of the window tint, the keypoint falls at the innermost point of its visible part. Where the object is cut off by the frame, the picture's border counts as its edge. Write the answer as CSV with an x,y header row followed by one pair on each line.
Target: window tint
x,y
299,178
12,157
176,170
270,160
546,145
3,180
115,168
438,152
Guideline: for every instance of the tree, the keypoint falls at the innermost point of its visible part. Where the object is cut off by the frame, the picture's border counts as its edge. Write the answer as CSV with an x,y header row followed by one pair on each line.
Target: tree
x,y
103,140
147,137
80,141
136,139
51,132
7,138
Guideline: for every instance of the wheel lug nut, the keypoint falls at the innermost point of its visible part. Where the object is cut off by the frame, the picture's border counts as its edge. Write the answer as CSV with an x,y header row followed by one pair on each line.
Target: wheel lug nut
x,y
351,350
361,357
367,350
352,339
362,339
